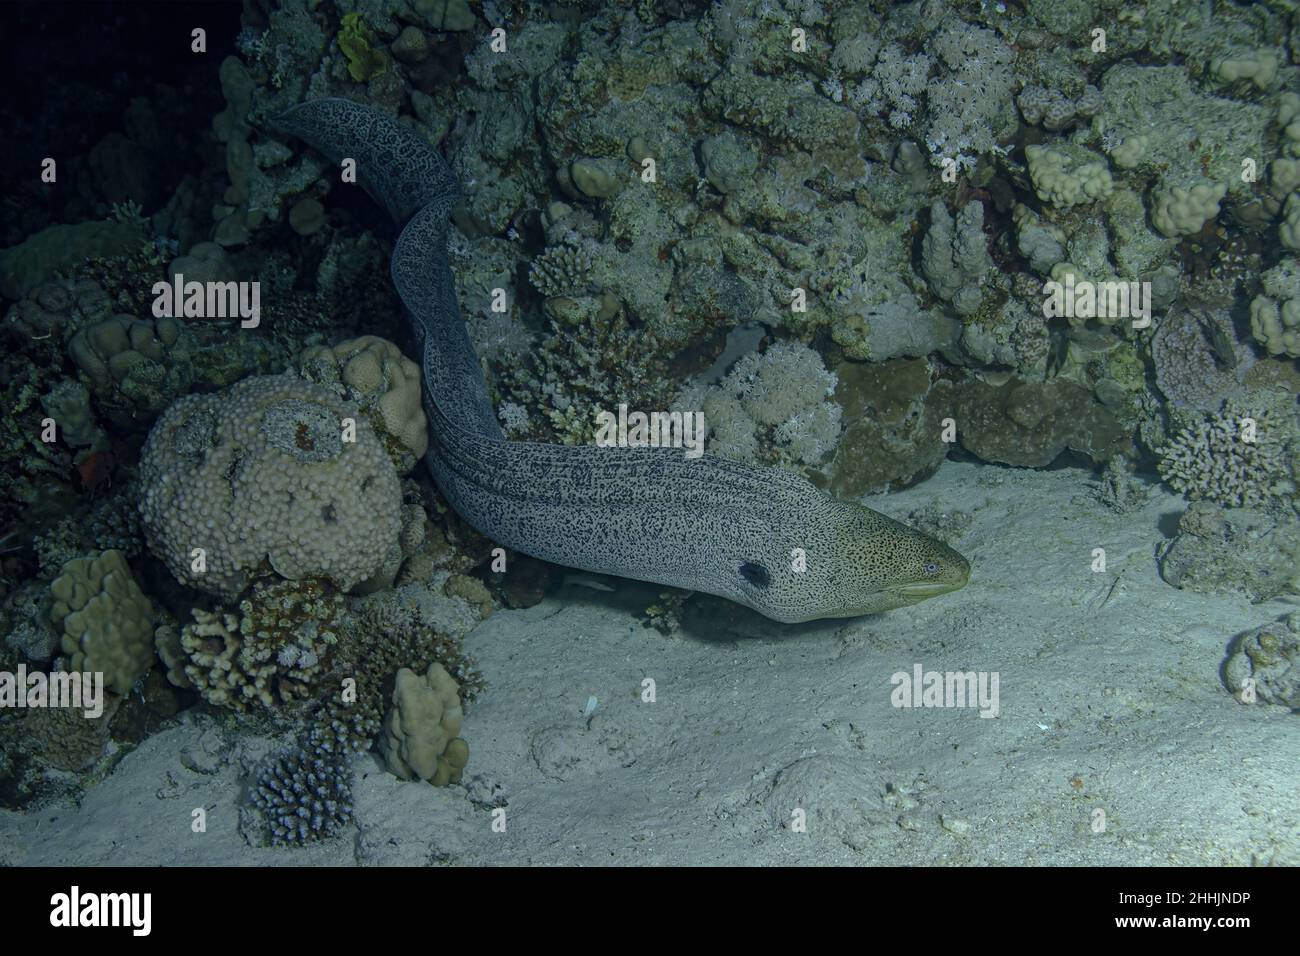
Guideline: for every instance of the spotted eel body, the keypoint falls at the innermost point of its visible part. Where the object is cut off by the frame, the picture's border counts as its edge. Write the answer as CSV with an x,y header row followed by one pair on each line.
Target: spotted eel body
x,y
762,537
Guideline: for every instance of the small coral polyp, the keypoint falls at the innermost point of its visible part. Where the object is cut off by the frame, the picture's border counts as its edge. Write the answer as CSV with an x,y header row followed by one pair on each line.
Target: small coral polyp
x,y
273,472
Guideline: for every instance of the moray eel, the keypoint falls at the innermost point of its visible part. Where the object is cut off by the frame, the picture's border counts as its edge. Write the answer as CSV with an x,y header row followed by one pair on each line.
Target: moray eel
x,y
761,537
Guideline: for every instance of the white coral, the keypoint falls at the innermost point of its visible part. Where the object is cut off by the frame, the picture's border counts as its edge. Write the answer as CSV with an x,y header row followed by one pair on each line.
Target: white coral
x,y
1183,210
1233,458
780,398
1067,175
966,104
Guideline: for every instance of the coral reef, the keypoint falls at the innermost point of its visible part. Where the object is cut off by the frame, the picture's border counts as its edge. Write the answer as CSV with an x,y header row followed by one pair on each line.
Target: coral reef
x,y
68,404
1054,110
303,793
578,366
63,738
397,629
829,251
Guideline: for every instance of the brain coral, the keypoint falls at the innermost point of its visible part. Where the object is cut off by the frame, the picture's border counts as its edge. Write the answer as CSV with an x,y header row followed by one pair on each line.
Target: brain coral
x,y
107,621
268,471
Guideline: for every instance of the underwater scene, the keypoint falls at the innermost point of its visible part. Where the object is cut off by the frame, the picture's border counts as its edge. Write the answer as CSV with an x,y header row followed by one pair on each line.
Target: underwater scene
x,y
650,433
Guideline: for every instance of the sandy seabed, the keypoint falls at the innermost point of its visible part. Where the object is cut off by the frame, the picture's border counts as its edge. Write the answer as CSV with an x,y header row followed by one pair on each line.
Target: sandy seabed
x,y
1116,742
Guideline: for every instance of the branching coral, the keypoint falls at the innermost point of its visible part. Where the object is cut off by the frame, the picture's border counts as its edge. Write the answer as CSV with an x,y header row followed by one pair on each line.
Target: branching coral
x,y
1196,357
112,523
1231,457
561,270
385,633
271,652
304,793
582,368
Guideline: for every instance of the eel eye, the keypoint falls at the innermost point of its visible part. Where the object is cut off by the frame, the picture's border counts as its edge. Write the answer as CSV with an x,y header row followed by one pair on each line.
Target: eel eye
x,y
755,574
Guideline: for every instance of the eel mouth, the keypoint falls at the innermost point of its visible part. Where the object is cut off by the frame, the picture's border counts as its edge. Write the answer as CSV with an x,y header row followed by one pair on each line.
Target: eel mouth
x,y
954,578
926,589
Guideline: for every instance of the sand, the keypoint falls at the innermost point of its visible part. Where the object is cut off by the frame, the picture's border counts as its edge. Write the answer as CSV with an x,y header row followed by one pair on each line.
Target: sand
x,y
1115,741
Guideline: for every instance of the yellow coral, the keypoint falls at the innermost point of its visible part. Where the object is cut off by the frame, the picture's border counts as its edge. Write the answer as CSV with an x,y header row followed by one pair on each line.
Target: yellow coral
x,y
420,732
106,619
357,41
